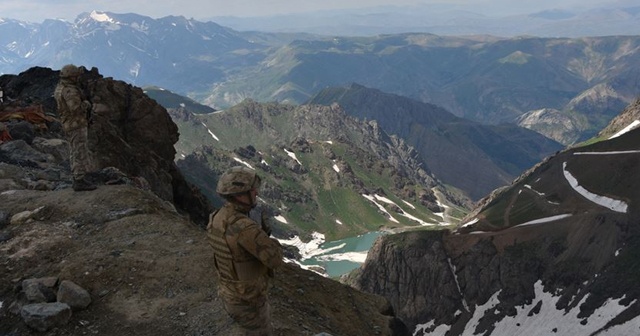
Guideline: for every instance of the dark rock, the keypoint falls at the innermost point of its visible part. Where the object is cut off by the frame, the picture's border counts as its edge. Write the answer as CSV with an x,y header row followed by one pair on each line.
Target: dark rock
x,y
20,153
22,130
44,316
37,292
73,295
4,219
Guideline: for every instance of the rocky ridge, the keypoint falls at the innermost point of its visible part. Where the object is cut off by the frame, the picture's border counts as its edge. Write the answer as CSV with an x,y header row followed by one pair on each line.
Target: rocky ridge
x,y
317,163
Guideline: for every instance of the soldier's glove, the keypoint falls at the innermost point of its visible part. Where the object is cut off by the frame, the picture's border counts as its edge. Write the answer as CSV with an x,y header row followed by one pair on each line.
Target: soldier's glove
x,y
264,222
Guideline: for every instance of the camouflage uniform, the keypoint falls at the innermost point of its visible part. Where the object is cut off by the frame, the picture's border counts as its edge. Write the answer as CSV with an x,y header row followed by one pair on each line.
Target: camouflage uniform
x,y
73,109
244,257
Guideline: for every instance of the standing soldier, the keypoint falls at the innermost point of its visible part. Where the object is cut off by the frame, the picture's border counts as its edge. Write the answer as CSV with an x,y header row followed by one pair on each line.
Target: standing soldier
x,y
73,109
244,254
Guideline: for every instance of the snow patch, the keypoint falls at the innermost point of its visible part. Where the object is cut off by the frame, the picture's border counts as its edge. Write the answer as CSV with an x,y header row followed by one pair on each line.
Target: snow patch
x,y
243,162
101,17
409,204
608,153
610,203
380,207
281,219
544,220
548,321
213,135
629,127
535,191
307,250
471,222
293,155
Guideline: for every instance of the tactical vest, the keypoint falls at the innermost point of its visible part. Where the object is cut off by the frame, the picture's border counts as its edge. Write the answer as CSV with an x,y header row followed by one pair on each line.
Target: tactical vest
x,y
227,267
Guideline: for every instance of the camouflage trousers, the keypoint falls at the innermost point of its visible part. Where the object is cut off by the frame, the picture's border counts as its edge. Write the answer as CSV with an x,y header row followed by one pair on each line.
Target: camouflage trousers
x,y
80,159
248,306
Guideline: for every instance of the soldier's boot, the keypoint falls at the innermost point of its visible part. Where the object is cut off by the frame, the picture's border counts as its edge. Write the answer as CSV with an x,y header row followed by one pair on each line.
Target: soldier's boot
x,y
83,185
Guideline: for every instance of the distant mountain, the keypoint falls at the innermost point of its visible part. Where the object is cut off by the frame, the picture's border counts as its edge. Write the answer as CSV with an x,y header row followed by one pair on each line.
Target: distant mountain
x,y
171,52
580,119
473,157
554,253
482,78
451,19
172,100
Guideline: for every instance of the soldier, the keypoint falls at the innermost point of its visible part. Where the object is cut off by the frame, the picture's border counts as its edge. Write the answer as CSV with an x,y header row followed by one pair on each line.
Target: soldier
x,y
73,109
244,255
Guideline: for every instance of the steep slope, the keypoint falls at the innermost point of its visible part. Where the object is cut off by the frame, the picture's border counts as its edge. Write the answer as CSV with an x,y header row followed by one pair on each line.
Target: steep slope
x,y
324,171
149,271
628,120
555,253
470,156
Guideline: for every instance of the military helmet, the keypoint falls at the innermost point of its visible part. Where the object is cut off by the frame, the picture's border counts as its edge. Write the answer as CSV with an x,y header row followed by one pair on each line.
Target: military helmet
x,y
69,71
237,180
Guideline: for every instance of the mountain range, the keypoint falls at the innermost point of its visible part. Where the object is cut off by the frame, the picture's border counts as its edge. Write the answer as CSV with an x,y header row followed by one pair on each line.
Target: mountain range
x,y
560,241
558,20
565,88
553,251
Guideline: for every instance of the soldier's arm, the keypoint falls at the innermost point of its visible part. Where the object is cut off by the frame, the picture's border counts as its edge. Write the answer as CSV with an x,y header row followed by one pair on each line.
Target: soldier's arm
x,y
268,250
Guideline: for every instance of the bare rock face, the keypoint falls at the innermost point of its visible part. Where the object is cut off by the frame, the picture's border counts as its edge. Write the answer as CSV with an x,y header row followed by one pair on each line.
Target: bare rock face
x,y
132,132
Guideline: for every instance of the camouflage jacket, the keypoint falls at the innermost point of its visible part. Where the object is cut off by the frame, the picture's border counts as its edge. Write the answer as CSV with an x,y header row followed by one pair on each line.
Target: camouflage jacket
x,y
72,107
242,250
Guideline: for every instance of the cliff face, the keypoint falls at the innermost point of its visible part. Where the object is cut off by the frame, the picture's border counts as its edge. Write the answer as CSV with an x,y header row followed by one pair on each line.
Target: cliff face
x,y
556,252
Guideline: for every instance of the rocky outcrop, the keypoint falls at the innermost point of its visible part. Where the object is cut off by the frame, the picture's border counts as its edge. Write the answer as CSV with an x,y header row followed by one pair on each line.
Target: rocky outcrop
x,y
128,131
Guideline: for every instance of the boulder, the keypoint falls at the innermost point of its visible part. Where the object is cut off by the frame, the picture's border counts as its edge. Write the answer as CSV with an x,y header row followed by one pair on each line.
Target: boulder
x,y
73,295
44,316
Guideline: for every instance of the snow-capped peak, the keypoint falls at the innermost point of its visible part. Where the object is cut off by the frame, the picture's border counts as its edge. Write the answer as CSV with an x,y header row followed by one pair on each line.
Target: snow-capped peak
x,y
101,17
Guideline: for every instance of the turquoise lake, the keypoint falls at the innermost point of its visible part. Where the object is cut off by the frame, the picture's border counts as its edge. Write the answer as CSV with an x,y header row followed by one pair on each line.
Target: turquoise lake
x,y
342,256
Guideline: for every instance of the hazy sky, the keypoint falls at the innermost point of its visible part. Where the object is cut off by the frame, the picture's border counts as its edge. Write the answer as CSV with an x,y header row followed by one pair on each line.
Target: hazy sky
x,y
38,10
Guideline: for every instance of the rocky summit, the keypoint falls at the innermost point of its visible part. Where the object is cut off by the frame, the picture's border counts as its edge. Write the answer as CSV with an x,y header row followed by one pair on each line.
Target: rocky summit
x,y
131,257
